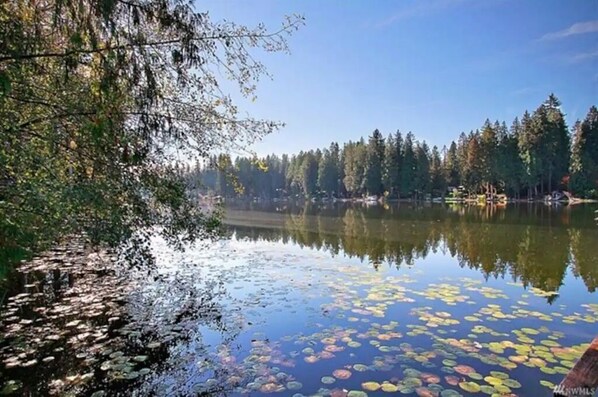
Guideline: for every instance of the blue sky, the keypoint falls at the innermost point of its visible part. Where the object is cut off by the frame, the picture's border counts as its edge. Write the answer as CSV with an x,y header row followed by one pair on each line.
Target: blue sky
x,y
433,67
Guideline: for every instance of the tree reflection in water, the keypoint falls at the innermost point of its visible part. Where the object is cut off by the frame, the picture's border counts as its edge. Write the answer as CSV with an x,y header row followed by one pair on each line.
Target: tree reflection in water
x,y
71,324
533,244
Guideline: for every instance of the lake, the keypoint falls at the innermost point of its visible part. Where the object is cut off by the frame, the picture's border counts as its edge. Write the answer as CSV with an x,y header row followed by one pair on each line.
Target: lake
x,y
329,300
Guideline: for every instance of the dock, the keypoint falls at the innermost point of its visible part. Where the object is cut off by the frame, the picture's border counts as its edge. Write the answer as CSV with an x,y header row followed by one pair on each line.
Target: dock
x,y
582,380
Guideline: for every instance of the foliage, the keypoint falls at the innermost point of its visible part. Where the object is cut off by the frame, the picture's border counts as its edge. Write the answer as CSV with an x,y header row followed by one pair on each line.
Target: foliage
x,y
584,158
407,173
355,153
329,170
374,159
530,158
99,100
309,173
392,163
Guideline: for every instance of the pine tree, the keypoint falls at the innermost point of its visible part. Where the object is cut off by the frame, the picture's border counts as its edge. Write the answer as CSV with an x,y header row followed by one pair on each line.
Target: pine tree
x,y
451,166
584,158
510,167
335,154
354,166
328,171
532,154
391,165
529,145
309,173
557,144
407,170
472,173
437,180
373,165
488,156
462,144
422,169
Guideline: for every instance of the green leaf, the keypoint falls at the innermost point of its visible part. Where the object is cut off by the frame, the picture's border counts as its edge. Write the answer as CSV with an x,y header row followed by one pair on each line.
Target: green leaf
x,y
5,86
76,39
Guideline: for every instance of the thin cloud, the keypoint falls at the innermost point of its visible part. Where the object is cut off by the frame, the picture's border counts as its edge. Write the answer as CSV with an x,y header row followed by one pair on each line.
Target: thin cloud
x,y
575,29
421,8
584,56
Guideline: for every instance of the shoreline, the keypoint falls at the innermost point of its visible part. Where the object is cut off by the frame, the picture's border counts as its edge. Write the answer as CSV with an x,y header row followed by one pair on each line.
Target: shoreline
x,y
437,200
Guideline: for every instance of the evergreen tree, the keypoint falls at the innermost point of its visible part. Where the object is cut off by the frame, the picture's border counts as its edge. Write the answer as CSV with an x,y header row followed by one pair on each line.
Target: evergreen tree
x,y
557,143
584,158
284,170
530,151
391,164
335,154
296,181
407,171
472,174
510,165
532,154
373,166
462,144
328,172
422,170
488,146
309,173
451,166
355,154
437,179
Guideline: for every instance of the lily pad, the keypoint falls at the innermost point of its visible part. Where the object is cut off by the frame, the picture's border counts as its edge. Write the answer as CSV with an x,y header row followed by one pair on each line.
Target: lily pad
x,y
450,393
370,386
464,369
512,383
470,387
357,393
294,385
389,388
341,374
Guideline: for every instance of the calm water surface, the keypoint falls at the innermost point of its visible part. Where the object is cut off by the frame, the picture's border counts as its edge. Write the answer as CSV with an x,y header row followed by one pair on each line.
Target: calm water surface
x,y
321,300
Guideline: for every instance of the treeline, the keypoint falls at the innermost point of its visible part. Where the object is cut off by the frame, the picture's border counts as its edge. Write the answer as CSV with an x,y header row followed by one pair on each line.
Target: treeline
x,y
535,155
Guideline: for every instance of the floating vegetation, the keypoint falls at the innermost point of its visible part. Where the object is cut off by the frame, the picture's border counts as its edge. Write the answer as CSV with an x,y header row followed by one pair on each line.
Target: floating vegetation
x,y
328,380
341,374
383,332
370,386
470,387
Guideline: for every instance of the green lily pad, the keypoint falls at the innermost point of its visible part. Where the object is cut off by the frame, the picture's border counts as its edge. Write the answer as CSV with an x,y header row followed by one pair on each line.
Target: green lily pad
x,y
512,383
357,393
499,375
389,388
327,380
450,393
370,386
470,387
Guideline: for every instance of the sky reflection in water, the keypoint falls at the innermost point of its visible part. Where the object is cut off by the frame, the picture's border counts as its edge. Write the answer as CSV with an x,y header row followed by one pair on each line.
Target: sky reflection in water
x,y
350,300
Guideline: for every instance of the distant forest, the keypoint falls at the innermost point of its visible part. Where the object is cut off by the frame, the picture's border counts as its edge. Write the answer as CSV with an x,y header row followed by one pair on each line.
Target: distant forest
x,y
536,155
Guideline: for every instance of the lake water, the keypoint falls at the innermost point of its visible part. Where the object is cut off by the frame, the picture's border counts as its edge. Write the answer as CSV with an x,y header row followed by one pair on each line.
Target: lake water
x,y
320,300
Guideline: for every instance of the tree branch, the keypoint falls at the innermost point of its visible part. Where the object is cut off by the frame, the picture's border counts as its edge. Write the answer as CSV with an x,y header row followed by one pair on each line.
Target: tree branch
x,y
7,58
